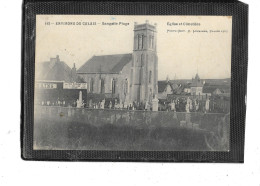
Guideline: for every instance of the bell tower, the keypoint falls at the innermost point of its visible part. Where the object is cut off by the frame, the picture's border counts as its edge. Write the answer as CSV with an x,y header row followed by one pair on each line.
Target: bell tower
x,y
144,69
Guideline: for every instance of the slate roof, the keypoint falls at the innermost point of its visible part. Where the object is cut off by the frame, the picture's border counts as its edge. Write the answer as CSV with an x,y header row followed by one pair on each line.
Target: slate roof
x,y
105,64
196,84
162,85
209,89
179,90
212,88
60,71
187,85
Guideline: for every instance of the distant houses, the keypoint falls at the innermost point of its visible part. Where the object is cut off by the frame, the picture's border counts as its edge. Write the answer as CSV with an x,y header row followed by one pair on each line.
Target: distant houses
x,y
194,88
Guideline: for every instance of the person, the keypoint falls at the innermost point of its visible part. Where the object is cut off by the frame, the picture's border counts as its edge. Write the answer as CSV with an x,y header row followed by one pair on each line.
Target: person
x,y
78,104
116,106
102,104
173,106
197,105
187,107
133,106
120,105
130,106
190,105
146,105
90,103
207,105
138,106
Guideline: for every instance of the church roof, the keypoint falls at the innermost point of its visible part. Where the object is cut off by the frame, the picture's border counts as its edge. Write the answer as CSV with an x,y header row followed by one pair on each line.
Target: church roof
x,y
196,82
105,64
57,71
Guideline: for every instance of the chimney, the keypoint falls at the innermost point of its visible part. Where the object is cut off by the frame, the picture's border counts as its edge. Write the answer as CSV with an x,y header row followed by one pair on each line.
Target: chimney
x,y
57,58
74,73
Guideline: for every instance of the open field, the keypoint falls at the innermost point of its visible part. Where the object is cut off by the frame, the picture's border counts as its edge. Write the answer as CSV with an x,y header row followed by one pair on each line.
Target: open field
x,y
80,131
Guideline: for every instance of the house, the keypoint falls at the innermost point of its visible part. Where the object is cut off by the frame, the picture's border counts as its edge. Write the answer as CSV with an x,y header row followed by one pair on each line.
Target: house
x,y
55,70
164,88
196,86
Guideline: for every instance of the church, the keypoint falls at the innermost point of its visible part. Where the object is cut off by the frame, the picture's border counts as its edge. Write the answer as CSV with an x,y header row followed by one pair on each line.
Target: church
x,y
131,77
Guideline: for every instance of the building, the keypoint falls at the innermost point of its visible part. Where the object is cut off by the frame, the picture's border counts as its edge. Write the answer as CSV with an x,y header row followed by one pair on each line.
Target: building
x,y
196,86
187,88
55,70
56,83
129,77
217,90
58,93
164,89
108,74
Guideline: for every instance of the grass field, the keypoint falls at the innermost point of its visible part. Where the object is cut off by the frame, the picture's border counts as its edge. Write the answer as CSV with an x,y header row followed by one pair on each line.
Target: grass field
x,y
84,136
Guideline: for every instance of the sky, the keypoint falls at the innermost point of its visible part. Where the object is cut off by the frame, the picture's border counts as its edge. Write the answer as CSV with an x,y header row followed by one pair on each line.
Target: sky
x,y
185,44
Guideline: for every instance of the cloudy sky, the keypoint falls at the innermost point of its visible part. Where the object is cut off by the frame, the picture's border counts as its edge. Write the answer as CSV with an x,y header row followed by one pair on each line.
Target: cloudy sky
x,y
180,53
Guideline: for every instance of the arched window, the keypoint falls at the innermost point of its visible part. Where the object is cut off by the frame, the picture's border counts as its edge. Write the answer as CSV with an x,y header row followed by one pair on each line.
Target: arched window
x,y
102,90
126,87
150,76
91,87
142,60
142,41
152,42
113,86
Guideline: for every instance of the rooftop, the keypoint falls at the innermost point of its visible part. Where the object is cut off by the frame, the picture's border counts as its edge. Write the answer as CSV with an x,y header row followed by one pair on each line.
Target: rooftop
x,y
105,64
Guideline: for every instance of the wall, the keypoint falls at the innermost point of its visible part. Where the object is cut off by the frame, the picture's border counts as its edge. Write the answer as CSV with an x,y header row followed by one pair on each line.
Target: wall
x,y
76,128
120,79
202,121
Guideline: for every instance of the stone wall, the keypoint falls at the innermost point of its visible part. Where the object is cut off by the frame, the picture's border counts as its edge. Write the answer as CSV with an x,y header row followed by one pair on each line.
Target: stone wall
x,y
211,122
108,78
76,128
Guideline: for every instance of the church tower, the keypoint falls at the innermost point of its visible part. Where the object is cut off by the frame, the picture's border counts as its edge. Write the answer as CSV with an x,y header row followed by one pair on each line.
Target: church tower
x,y
144,68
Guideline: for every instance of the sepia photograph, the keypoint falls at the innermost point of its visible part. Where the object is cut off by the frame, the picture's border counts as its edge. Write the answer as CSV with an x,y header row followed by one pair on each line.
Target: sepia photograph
x,y
130,93
132,83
